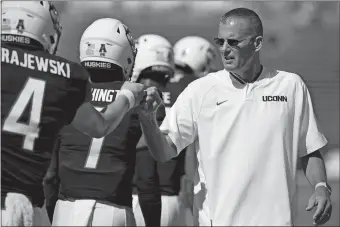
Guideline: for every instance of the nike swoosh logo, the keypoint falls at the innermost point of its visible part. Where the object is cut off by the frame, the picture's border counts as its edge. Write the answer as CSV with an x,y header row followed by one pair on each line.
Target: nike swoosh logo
x,y
219,103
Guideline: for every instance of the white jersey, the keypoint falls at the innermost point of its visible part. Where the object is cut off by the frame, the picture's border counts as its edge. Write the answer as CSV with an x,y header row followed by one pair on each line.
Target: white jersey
x,y
250,139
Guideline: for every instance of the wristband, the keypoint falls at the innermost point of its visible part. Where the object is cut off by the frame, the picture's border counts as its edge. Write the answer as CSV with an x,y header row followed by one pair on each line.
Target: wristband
x,y
129,95
324,184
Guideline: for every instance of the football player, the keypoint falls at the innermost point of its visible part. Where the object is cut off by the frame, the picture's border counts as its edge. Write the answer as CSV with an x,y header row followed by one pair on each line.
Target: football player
x,y
194,57
154,66
41,93
96,174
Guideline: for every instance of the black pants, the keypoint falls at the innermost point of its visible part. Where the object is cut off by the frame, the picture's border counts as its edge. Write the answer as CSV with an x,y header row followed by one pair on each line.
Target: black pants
x,y
51,191
147,183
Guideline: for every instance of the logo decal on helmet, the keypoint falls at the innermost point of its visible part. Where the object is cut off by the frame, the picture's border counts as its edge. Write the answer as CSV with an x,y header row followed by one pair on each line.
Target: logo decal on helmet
x,y
90,49
20,27
102,50
6,24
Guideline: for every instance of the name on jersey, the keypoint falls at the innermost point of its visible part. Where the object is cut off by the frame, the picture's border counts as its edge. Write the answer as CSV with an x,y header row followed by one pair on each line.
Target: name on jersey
x,y
107,95
275,98
103,95
34,62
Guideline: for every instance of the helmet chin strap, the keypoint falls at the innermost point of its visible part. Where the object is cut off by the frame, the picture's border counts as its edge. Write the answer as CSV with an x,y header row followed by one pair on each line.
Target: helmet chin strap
x,y
57,27
52,48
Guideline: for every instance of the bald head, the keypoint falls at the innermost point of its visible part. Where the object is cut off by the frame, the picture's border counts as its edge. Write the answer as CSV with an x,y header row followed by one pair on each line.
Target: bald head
x,y
251,20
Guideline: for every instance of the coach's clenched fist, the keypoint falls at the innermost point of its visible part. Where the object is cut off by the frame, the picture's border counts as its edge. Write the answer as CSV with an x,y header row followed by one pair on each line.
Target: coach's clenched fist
x,y
151,102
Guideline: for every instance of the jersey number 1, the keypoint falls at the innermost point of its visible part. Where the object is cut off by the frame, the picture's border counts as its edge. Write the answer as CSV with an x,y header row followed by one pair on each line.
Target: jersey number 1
x,y
33,90
94,151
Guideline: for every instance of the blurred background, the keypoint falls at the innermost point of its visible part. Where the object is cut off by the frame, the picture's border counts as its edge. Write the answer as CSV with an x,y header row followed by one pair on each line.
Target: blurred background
x,y
302,37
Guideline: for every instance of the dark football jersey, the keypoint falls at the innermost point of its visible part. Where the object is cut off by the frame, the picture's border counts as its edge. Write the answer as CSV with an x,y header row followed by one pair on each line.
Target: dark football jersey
x,y
40,93
169,173
100,169
175,87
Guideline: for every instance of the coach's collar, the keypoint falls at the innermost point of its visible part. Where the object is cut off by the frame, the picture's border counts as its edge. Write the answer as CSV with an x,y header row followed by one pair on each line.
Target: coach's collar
x,y
242,81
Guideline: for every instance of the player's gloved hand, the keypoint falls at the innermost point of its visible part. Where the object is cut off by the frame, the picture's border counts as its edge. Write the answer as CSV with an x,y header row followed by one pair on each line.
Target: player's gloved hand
x,y
137,89
151,102
321,200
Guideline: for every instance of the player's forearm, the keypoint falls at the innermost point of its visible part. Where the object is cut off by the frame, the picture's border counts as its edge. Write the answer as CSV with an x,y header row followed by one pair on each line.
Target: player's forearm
x,y
114,114
314,168
160,145
96,124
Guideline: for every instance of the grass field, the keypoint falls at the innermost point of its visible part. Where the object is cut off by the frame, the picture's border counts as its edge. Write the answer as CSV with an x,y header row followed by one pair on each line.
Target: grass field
x,y
304,218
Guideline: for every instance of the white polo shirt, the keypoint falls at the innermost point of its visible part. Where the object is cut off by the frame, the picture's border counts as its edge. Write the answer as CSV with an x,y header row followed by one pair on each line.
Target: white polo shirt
x,y
250,139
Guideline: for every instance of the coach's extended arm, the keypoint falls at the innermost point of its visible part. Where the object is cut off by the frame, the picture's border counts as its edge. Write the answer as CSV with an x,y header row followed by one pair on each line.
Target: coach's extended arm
x,y
160,145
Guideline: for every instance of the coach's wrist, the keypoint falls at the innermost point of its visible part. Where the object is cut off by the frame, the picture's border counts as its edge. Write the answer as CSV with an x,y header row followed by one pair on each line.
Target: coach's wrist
x,y
148,117
148,122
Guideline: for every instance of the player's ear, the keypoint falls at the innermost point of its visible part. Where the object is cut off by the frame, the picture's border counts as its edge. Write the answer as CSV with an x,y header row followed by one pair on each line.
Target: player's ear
x,y
258,43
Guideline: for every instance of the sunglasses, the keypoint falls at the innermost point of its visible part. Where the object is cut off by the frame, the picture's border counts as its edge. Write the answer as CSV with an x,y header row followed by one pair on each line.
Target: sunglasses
x,y
231,42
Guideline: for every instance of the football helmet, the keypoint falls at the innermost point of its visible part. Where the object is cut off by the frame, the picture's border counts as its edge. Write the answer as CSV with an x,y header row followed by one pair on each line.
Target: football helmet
x,y
153,51
196,53
109,40
38,20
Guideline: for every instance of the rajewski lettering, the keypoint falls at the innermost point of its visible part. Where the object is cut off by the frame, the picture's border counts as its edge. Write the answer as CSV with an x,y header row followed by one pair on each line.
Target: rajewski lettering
x,y
276,98
103,95
34,62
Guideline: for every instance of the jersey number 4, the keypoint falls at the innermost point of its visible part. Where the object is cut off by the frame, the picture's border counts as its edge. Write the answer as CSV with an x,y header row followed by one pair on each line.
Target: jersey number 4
x,y
33,90
95,150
